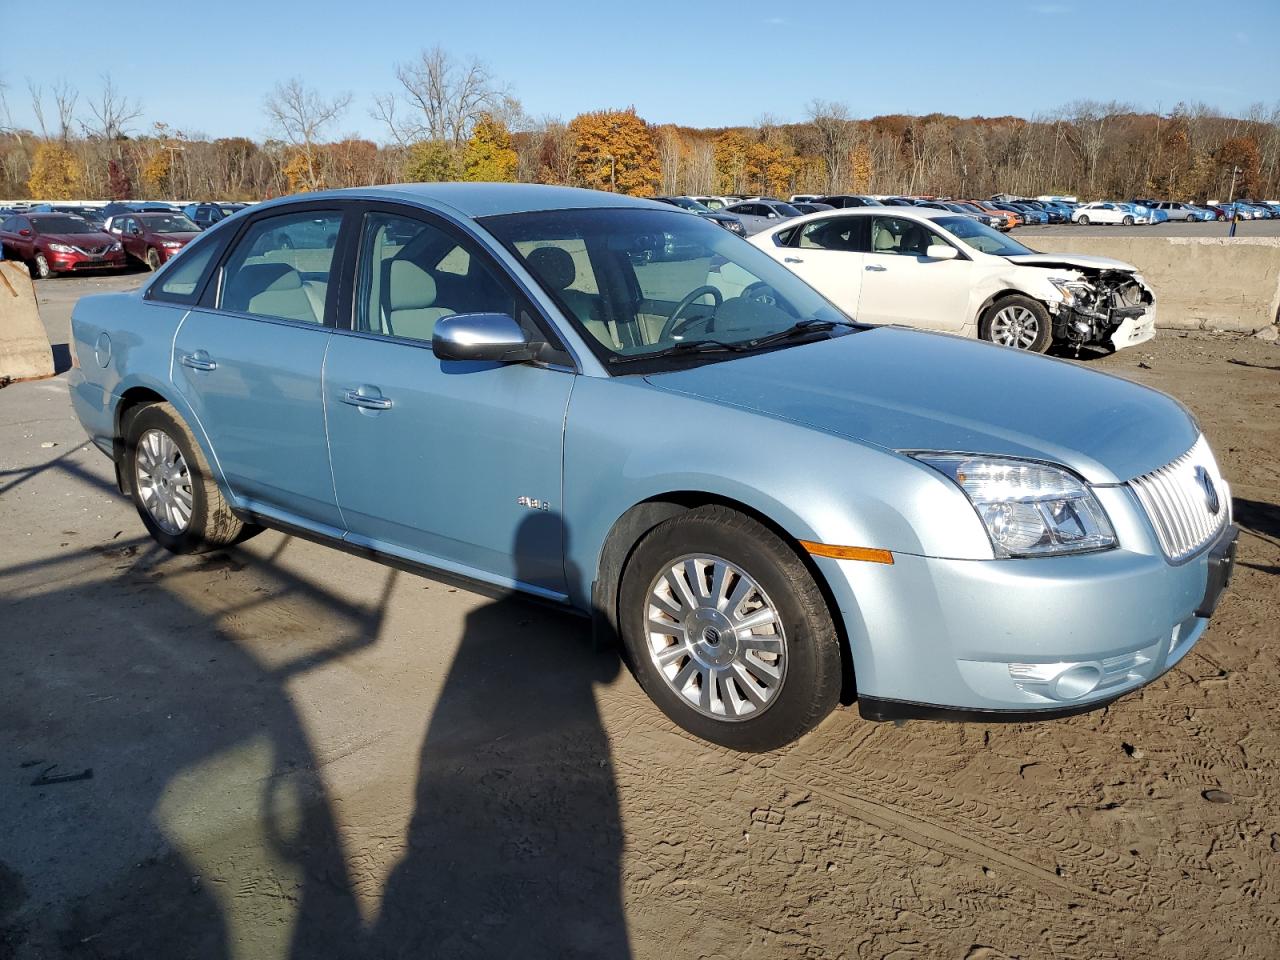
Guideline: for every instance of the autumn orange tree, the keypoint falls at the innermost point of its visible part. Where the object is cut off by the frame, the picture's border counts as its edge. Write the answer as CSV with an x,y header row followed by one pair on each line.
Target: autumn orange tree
x,y
55,175
615,152
488,155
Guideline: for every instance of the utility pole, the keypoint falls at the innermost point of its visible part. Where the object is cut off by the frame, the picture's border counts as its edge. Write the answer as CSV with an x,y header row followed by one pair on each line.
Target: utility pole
x,y
1231,195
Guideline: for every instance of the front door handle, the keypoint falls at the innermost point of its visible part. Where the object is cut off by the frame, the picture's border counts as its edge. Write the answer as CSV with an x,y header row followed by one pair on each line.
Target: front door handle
x,y
198,361
367,398
792,260
876,268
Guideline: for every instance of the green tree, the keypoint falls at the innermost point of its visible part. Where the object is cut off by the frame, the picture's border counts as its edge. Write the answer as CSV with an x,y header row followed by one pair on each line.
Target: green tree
x,y
431,161
489,155
614,151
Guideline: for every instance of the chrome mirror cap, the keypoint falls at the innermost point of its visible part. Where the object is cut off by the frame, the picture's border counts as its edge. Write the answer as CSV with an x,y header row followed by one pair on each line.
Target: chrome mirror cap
x,y
481,336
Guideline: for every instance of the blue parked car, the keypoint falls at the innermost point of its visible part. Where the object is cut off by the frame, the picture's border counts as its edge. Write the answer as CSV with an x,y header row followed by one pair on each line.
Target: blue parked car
x,y
618,406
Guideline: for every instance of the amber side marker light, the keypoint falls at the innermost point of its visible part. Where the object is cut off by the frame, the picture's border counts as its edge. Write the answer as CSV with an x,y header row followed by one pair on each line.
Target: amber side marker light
x,y
870,554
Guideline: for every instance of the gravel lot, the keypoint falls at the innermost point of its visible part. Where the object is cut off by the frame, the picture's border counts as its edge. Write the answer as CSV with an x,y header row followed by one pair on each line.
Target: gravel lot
x,y
298,753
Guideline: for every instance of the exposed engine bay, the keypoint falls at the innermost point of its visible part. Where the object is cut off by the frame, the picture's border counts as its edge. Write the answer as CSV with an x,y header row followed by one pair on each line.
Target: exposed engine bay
x,y
1102,305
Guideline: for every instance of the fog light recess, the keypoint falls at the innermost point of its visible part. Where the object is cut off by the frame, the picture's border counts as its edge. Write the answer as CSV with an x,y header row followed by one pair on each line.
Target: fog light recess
x,y
1076,682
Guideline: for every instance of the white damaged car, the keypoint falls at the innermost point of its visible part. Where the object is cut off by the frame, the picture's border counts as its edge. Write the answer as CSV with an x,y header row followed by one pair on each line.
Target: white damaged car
x,y
950,272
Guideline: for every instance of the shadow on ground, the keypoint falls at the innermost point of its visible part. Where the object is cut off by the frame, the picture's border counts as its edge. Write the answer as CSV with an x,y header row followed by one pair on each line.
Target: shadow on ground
x,y
513,847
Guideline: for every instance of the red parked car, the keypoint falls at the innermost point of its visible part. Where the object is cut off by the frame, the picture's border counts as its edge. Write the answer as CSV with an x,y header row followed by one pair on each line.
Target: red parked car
x,y
152,238
50,243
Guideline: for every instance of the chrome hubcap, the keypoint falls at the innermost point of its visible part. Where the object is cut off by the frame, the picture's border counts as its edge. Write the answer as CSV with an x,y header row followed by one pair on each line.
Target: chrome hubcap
x,y
1015,327
164,483
716,637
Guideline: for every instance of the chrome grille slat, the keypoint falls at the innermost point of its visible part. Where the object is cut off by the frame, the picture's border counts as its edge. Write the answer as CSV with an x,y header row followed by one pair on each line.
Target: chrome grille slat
x,y
1176,503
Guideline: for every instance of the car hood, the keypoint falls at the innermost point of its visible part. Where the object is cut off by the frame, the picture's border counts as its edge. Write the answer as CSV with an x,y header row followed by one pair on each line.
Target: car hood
x,y
79,239
1079,261
909,390
179,237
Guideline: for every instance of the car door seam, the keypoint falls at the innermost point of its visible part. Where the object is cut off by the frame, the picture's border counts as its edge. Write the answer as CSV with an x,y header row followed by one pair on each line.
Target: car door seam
x,y
328,445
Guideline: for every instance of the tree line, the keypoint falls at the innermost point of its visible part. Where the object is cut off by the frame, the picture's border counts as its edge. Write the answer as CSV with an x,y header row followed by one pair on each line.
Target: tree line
x,y
452,119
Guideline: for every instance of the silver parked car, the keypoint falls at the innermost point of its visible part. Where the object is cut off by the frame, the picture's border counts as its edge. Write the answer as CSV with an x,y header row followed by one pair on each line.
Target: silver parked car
x,y
619,407
757,215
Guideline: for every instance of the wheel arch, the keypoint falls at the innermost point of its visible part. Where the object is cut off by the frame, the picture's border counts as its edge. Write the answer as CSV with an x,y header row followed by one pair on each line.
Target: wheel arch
x,y
134,398
630,528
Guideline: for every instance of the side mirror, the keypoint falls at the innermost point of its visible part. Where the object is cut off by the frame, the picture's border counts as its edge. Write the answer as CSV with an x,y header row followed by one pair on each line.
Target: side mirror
x,y
941,251
482,336
135,231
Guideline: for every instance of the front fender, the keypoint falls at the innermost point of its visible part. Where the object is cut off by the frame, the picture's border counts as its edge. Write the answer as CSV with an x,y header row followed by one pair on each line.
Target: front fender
x,y
627,442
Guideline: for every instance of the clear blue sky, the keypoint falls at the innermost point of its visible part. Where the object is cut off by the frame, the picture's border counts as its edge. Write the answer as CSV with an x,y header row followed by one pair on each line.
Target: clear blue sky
x,y
692,62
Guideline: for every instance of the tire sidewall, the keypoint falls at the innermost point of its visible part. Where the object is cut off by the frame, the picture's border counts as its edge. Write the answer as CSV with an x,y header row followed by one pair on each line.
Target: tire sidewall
x,y
156,418
42,269
1043,339
811,684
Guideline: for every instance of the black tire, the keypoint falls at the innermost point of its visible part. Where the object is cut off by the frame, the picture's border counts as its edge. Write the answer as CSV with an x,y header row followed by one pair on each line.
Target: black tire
x,y
40,268
812,676
1127,221
211,525
153,259
1084,221
1044,336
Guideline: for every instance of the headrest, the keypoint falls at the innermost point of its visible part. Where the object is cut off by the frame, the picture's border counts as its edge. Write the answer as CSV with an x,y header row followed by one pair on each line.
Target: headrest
x,y
410,287
553,266
884,240
254,279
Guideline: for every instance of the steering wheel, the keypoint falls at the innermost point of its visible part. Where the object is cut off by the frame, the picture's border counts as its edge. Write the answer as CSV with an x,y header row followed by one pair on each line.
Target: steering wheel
x,y
761,292
674,325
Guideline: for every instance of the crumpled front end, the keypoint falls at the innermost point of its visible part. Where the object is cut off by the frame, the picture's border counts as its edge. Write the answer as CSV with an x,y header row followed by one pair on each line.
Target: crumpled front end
x,y
1106,308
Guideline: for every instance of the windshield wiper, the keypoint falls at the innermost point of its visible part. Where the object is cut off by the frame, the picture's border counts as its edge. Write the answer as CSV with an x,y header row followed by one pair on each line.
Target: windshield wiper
x,y
684,346
794,332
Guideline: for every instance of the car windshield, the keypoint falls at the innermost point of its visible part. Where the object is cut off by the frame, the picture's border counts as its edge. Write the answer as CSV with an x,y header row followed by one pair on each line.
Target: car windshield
x,y
648,285
61,223
978,235
169,223
688,204
786,209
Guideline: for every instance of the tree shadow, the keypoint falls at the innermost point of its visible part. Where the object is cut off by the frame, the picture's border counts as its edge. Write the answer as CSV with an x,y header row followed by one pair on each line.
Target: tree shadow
x,y
515,844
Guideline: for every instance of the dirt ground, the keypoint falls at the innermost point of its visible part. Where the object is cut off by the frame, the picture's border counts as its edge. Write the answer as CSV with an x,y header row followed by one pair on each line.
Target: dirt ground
x,y
299,753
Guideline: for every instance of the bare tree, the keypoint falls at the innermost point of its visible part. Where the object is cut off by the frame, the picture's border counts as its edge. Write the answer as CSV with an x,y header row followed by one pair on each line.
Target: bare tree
x,y
670,156
37,107
64,98
835,130
446,97
112,112
300,115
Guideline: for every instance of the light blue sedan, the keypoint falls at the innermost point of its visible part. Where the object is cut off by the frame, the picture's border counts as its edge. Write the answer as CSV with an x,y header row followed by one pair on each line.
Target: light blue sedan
x,y
617,406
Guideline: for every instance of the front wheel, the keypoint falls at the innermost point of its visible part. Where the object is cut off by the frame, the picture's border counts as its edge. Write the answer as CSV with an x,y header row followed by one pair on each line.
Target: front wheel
x,y
1018,322
173,488
1127,221
727,632
153,259
1083,221
41,268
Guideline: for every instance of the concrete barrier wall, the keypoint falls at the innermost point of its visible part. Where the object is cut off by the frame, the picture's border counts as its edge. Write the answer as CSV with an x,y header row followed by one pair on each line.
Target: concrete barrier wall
x,y
24,344
1201,283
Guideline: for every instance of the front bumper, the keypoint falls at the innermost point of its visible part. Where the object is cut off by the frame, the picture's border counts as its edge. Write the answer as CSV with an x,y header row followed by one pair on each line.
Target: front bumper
x,y
1021,639
1134,330
78,262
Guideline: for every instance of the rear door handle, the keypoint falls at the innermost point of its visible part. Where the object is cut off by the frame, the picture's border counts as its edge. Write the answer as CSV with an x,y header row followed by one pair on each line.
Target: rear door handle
x,y
875,268
792,260
198,361
367,398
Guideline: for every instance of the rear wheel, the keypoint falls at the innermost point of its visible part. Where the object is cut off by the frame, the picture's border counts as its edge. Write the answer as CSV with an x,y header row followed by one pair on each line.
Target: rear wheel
x,y
727,632
153,259
40,267
173,489
1019,322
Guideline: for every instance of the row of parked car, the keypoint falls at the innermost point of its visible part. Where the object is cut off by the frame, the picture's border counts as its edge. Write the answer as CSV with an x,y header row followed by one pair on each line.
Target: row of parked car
x,y
54,238
1003,211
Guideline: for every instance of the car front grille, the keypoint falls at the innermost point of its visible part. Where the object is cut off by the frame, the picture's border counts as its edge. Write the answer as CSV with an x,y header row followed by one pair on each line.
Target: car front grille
x,y
1186,500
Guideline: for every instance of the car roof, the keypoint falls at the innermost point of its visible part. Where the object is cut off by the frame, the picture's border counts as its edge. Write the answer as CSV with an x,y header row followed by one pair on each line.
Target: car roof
x,y
484,199
908,213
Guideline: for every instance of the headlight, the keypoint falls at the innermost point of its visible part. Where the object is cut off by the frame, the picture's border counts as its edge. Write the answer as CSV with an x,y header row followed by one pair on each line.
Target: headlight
x,y
61,248
1070,289
1029,509
170,245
